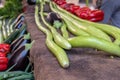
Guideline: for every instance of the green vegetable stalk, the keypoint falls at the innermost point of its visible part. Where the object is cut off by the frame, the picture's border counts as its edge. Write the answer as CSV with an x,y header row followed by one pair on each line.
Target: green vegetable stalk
x,y
81,26
73,29
64,31
90,41
57,51
61,41
97,43
109,29
62,25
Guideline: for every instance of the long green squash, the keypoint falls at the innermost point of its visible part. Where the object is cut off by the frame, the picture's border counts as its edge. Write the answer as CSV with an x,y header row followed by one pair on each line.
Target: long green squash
x,y
97,43
85,27
57,51
61,41
109,29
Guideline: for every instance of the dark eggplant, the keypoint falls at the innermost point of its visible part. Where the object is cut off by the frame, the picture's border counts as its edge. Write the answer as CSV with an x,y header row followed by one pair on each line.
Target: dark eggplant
x,y
19,57
20,17
18,24
52,17
15,42
23,30
31,2
20,42
19,21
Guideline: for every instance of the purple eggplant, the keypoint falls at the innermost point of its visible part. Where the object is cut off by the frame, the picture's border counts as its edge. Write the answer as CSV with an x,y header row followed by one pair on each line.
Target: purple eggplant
x,y
52,17
20,41
19,57
18,24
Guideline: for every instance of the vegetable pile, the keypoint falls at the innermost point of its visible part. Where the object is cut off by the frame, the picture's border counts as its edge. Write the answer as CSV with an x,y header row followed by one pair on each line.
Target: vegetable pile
x,y
82,12
15,44
85,34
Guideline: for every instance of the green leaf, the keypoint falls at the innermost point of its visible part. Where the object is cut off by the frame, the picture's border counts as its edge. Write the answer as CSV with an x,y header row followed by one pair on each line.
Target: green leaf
x,y
57,24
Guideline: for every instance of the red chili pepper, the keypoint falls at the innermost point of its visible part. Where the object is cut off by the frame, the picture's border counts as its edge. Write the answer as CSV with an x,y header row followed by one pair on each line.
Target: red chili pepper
x,y
73,8
60,2
3,60
63,5
3,67
83,12
4,48
96,19
96,13
85,9
2,54
84,15
67,6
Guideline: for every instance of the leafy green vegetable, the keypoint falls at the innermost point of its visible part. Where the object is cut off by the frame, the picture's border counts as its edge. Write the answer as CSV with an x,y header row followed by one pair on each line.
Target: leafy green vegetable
x,y
57,24
11,8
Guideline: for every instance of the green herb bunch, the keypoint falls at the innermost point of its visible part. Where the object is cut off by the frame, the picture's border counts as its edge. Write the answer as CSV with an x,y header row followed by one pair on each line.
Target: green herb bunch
x,y
11,8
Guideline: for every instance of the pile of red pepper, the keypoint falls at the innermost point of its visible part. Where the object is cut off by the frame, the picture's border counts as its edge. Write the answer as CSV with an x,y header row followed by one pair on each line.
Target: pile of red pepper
x,y
82,12
4,49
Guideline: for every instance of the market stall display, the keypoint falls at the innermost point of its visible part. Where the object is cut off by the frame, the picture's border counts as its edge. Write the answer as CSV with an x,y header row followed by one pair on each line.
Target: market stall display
x,y
56,43
66,46
49,68
15,43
